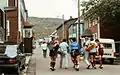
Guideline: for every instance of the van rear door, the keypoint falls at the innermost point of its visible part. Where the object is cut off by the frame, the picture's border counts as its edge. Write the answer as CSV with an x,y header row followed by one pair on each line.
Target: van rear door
x,y
109,50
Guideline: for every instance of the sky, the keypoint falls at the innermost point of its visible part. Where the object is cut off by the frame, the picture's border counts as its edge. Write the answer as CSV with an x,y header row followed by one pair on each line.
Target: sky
x,y
52,8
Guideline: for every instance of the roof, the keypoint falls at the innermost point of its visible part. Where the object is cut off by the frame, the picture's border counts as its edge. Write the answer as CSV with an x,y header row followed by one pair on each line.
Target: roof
x,y
73,19
27,24
104,40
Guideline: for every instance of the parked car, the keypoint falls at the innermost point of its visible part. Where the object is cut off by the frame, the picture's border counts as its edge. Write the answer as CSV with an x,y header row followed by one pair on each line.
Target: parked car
x,y
12,61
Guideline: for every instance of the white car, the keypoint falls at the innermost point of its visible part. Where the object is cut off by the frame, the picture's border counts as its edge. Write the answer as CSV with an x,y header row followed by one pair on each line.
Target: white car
x,y
109,49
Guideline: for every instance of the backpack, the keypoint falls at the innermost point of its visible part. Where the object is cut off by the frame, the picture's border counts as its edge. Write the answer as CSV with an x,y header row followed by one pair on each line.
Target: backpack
x,y
90,46
100,49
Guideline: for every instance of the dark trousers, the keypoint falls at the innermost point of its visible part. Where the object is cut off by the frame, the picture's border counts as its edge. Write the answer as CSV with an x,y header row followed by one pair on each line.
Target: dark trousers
x,y
44,53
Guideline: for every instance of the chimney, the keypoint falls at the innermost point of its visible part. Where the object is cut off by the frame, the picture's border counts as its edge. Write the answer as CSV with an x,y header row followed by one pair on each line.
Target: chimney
x,y
70,17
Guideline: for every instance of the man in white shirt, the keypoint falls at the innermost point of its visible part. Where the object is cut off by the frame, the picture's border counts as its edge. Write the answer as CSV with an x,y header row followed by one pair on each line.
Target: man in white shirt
x,y
93,52
44,48
64,50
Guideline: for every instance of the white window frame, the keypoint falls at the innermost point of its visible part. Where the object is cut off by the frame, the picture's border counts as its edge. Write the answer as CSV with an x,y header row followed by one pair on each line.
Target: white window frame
x,y
8,28
7,3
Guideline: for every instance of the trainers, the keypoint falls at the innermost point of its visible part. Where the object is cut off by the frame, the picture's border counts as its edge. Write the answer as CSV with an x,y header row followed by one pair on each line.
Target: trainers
x,y
88,67
52,69
100,67
66,68
94,67
77,69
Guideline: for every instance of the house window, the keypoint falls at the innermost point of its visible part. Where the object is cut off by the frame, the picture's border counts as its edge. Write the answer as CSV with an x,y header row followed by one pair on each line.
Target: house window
x,y
1,18
96,36
7,3
27,33
11,2
74,29
8,28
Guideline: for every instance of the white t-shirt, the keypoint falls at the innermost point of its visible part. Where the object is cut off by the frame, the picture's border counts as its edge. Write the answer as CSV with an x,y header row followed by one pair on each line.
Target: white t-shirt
x,y
63,47
44,46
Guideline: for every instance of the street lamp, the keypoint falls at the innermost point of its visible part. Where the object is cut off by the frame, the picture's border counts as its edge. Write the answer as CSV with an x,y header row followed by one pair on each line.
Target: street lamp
x,y
63,26
78,21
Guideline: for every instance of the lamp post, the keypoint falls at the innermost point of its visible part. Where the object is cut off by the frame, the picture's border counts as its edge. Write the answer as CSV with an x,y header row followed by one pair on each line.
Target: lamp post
x,y
63,26
78,21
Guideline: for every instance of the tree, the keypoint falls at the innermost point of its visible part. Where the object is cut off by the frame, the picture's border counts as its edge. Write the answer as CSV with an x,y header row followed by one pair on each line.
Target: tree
x,y
107,10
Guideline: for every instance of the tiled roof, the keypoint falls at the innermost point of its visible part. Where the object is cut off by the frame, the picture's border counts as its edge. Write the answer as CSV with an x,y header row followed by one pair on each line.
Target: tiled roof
x,y
73,20
28,24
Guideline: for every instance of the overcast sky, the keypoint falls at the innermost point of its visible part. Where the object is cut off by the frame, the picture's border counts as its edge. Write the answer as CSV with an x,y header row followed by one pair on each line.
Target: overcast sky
x,y
52,8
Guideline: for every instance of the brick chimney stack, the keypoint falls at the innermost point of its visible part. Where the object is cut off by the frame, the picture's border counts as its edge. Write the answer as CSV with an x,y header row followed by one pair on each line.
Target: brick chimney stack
x,y
70,17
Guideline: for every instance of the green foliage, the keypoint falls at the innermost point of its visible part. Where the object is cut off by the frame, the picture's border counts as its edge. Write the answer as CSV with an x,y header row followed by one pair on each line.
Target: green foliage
x,y
107,10
44,26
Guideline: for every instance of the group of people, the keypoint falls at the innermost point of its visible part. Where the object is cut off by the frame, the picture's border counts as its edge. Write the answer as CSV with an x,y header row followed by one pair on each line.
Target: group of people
x,y
93,48
89,50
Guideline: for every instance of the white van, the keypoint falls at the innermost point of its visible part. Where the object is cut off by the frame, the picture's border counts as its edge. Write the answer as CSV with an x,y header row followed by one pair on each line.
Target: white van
x,y
109,49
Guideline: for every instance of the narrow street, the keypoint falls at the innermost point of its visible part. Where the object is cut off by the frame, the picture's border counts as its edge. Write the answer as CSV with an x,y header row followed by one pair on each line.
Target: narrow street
x,y
40,66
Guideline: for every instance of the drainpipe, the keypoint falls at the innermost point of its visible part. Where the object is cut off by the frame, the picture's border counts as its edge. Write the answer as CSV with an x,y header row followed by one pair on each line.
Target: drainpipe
x,y
79,21
98,27
5,25
19,20
63,26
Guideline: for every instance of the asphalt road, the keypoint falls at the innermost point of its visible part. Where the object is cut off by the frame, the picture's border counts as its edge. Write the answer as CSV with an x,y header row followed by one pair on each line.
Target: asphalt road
x,y
40,66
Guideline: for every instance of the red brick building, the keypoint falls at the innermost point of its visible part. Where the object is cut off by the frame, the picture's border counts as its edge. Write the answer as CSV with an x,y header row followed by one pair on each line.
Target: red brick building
x,y
16,16
101,30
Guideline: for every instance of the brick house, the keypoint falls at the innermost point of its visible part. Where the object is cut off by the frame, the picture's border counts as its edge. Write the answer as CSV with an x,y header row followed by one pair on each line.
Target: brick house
x,y
64,32
16,16
101,30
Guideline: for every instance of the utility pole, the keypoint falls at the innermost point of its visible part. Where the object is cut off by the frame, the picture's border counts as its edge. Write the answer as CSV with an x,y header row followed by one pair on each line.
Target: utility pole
x,y
63,26
78,21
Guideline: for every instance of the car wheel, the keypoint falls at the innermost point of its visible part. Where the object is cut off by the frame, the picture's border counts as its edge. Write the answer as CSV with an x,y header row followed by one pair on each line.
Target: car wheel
x,y
111,61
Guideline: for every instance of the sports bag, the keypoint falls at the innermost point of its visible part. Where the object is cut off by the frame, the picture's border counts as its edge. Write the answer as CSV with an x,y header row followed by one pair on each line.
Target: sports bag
x,y
90,47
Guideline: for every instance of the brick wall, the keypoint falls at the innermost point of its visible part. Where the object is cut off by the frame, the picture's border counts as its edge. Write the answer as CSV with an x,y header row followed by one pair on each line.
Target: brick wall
x,y
11,2
12,16
60,33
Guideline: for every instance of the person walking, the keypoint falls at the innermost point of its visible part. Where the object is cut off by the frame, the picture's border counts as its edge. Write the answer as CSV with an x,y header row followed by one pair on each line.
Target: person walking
x,y
92,52
86,53
44,48
75,52
100,52
53,47
64,55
